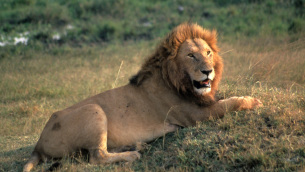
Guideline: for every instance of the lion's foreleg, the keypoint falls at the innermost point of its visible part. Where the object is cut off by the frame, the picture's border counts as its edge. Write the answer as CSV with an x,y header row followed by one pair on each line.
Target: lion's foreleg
x,y
220,108
234,104
186,115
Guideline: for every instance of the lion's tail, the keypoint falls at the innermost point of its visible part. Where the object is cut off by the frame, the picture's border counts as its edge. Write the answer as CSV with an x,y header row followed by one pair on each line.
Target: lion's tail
x,y
34,160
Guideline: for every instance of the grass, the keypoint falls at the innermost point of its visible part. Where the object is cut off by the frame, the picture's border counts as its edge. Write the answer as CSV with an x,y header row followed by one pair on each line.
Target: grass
x,y
268,139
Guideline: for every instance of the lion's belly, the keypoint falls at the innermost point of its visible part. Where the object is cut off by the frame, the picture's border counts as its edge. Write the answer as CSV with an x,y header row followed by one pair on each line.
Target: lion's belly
x,y
122,136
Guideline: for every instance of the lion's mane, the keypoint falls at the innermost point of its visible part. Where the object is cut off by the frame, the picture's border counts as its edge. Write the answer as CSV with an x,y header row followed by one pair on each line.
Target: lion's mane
x,y
163,62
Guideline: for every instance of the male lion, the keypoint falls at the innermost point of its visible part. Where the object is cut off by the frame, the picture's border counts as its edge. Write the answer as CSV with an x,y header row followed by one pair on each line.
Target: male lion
x,y
174,88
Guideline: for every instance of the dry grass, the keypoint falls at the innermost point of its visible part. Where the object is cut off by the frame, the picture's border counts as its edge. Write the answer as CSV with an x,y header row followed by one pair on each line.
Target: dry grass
x,y
35,84
273,62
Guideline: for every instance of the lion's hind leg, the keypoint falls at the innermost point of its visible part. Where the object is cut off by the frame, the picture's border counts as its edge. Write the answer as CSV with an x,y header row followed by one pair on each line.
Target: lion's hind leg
x,y
97,147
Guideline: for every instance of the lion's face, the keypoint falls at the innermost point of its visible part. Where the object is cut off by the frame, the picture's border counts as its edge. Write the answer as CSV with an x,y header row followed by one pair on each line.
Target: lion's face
x,y
196,57
187,61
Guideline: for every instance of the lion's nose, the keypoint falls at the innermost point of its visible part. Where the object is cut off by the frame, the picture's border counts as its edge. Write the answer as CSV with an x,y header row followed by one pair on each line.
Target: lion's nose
x,y
207,72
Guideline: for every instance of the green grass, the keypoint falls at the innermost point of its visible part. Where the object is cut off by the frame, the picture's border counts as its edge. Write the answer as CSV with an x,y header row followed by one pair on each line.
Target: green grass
x,y
120,20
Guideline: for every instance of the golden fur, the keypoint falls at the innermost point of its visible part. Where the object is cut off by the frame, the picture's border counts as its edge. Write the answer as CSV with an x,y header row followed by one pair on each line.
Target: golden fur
x,y
174,88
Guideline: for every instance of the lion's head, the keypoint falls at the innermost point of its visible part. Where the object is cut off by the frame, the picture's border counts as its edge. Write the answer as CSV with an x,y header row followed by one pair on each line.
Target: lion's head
x,y
188,61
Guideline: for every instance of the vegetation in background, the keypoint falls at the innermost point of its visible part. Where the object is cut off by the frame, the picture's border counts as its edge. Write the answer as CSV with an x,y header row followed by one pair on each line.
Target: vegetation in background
x,y
87,21
75,50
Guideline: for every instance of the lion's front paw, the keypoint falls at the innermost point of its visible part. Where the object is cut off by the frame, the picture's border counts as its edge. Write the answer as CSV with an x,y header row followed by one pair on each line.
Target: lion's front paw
x,y
133,155
249,103
257,103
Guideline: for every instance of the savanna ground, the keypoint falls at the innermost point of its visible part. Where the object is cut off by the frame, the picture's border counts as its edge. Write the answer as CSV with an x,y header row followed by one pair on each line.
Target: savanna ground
x,y
262,44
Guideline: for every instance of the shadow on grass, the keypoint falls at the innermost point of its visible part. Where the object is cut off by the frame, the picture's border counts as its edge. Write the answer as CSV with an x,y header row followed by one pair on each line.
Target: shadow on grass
x,y
14,160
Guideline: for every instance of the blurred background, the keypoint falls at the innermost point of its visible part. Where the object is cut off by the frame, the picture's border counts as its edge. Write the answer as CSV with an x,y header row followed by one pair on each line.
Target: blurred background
x,y
93,21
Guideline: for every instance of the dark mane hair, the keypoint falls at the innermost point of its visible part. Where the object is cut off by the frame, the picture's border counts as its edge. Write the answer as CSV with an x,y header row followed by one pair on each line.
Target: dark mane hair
x,y
163,61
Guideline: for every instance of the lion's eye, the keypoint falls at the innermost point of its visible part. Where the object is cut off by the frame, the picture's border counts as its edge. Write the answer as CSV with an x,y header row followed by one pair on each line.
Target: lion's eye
x,y
208,53
191,55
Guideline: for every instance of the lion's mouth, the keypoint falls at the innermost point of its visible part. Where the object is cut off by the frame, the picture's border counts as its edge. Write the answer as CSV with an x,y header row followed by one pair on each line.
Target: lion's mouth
x,y
202,84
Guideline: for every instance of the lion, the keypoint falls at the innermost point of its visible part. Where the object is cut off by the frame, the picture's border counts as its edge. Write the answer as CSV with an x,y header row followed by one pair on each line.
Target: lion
x,y
174,88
